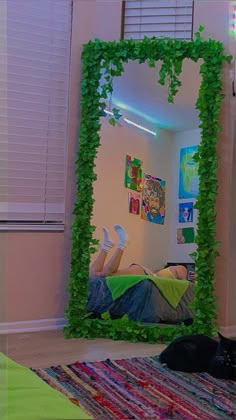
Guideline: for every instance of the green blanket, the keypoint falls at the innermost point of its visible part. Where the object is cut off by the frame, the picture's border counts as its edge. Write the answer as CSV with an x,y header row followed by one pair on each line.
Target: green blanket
x,y
24,396
171,289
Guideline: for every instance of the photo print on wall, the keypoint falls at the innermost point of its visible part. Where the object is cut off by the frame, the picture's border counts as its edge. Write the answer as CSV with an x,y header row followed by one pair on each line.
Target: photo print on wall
x,y
185,235
188,173
133,173
185,212
153,199
134,202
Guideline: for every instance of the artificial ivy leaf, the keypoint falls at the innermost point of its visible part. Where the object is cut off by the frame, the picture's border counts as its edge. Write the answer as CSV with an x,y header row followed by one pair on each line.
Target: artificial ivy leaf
x,y
193,255
116,113
228,58
112,121
151,63
170,99
108,58
105,316
103,113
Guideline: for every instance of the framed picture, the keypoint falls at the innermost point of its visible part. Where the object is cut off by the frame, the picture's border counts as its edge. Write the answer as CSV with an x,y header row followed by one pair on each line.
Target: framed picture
x,y
185,235
188,173
134,202
186,212
133,173
153,199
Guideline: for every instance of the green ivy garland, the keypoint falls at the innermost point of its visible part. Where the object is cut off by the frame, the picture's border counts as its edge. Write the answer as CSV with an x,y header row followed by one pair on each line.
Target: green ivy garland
x,y
108,58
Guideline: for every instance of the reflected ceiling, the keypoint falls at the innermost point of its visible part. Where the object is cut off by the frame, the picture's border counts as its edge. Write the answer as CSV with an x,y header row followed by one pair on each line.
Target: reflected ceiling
x,y
138,92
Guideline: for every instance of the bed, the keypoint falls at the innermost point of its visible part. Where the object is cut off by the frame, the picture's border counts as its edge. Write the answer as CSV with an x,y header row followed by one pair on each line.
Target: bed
x,y
143,300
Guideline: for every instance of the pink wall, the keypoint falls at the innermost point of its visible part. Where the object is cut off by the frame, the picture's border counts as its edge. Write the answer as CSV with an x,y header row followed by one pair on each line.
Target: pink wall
x,y
108,19
35,275
232,284
215,17
37,265
3,100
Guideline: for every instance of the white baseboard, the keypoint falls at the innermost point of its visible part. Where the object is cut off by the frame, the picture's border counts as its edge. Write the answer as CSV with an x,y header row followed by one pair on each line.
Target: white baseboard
x,y
59,323
32,326
228,331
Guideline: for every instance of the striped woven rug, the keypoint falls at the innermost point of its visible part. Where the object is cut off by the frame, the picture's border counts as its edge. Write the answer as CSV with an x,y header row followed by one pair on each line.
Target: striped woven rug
x,y
141,388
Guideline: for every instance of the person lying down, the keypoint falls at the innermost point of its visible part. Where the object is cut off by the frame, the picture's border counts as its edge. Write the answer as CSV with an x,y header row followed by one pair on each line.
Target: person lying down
x,y
99,268
136,291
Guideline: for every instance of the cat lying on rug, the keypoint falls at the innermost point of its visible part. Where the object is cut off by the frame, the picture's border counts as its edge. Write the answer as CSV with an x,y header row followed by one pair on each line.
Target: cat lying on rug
x,y
199,353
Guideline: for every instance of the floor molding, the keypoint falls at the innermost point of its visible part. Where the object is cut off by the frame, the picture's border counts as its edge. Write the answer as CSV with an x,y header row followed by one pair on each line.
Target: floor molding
x,y
59,323
228,331
32,326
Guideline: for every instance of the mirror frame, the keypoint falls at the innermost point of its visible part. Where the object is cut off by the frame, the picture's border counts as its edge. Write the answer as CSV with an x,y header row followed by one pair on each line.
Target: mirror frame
x,y
109,57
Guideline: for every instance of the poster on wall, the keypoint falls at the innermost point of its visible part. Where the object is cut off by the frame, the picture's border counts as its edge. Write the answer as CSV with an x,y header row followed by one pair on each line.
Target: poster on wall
x,y
153,199
185,212
133,173
185,235
188,173
134,202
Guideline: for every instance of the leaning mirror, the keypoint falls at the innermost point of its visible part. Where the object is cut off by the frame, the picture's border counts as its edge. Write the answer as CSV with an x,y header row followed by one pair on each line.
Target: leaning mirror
x,y
153,189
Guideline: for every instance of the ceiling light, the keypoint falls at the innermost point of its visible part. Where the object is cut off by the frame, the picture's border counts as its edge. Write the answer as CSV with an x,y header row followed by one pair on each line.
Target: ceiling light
x,y
133,123
108,112
140,127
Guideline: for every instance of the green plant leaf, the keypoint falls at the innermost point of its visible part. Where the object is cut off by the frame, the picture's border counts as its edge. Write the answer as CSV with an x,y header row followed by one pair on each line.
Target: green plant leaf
x,y
105,315
112,121
116,113
108,58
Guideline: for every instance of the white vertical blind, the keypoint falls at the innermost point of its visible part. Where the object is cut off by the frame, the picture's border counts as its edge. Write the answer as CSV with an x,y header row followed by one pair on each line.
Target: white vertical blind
x,y
33,126
159,18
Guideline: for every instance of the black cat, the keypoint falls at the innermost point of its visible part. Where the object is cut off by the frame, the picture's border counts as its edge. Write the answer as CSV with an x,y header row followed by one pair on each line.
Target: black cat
x,y
199,353
223,362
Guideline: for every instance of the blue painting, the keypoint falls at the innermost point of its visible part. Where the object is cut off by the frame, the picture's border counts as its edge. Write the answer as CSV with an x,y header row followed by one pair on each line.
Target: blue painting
x,y
185,212
188,173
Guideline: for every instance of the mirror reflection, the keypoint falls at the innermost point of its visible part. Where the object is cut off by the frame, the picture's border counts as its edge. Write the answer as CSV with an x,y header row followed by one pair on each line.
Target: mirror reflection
x,y
144,200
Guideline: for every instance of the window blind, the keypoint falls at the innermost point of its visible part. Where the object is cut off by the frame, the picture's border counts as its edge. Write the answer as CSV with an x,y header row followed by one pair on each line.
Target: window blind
x,y
159,18
34,110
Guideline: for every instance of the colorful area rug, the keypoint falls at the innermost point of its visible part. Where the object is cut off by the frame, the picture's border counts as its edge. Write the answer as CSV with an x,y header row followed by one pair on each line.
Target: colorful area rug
x,y
142,388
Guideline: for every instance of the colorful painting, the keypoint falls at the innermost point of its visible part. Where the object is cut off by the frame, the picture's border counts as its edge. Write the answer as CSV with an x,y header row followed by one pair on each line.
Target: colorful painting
x,y
133,173
188,173
134,203
185,212
185,235
153,199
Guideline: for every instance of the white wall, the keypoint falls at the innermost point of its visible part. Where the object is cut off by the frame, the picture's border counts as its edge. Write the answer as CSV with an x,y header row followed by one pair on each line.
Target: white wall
x,y
177,252
148,241
150,244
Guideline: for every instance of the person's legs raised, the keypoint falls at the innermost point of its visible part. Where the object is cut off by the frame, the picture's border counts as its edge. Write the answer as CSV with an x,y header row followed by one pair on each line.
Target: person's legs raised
x,y
98,265
113,264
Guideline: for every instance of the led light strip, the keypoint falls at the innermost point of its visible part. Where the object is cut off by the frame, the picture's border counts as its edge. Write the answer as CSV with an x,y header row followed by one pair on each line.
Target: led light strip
x,y
134,124
108,112
140,127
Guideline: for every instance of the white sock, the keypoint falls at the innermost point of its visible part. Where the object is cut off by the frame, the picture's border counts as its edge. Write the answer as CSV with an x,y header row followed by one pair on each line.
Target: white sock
x,y
123,237
107,242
